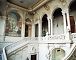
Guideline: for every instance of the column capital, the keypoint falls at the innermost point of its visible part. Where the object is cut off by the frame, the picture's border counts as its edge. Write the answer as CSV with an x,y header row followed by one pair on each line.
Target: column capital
x,y
63,12
67,10
49,19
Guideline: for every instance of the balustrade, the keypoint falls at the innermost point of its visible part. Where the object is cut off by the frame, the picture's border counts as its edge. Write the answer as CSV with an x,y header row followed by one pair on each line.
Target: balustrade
x,y
73,36
57,37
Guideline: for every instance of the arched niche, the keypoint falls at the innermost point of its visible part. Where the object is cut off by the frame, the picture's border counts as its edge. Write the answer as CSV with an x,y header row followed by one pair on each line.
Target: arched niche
x,y
72,12
58,27
0,13
44,25
58,54
28,27
13,24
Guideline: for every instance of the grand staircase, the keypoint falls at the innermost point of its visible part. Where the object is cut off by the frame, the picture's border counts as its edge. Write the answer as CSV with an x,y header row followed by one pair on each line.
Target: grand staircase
x,y
17,46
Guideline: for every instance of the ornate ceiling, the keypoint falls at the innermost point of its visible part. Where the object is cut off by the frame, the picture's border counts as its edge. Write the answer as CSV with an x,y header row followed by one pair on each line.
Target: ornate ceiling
x,y
28,4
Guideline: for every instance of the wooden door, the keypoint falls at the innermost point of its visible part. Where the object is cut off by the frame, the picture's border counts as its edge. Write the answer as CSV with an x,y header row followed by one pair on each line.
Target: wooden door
x,y
33,57
72,24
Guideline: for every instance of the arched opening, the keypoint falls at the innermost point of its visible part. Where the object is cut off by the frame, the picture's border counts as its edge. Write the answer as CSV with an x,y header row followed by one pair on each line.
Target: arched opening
x,y
0,13
28,27
58,54
72,11
26,30
44,25
58,27
13,24
36,30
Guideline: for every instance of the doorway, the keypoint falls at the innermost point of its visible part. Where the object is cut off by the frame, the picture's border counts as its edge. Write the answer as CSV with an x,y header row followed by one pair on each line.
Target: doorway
x,y
44,25
72,24
33,57
26,30
58,54
36,30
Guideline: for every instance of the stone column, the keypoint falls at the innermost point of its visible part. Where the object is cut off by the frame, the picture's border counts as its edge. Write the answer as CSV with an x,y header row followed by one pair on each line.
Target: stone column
x,y
68,27
49,26
29,30
68,19
3,25
2,28
23,27
40,28
33,30
64,20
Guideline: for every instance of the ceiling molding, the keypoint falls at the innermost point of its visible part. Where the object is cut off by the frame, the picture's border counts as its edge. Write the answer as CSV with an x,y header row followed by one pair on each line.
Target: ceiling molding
x,y
34,7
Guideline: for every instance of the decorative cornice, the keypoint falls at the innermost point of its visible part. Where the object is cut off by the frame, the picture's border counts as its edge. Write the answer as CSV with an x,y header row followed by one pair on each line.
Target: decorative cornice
x,y
33,8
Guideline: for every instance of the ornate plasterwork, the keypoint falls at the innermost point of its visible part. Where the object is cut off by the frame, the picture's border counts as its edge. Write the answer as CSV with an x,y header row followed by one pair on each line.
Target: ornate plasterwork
x,y
47,7
62,0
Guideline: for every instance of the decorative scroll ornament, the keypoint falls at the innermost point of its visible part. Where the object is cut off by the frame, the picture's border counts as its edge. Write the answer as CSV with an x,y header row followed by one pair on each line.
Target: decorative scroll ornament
x,y
63,1
46,7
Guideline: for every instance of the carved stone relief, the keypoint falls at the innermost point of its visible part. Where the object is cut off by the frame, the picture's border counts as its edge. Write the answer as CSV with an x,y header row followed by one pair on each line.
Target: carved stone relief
x,y
47,7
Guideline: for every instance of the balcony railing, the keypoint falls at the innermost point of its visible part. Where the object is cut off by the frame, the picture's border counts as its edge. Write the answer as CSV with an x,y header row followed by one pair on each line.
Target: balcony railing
x,y
73,35
47,39
57,37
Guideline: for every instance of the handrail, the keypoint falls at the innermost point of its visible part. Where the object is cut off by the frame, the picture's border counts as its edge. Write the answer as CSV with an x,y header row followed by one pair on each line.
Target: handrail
x,y
73,48
4,54
15,46
4,51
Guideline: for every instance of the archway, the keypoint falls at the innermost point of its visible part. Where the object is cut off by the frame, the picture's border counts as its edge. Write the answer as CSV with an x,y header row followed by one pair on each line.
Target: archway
x,y
44,25
58,54
72,11
28,28
13,24
0,13
58,27
36,30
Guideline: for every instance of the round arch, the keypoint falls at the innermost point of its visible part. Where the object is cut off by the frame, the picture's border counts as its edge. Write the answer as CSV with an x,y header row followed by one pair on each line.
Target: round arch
x,y
17,11
44,25
58,54
55,10
58,27
70,3
72,15
13,24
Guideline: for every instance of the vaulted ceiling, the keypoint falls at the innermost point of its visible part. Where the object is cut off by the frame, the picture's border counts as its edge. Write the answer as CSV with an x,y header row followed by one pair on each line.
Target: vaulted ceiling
x,y
28,4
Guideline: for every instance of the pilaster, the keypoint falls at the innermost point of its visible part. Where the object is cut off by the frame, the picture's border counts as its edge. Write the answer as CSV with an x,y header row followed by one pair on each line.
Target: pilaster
x,y
40,28
64,20
68,19
33,30
49,26
23,27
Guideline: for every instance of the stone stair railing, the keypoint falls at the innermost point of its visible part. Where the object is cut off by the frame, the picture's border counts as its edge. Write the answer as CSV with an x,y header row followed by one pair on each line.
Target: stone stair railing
x,y
73,48
11,48
4,57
